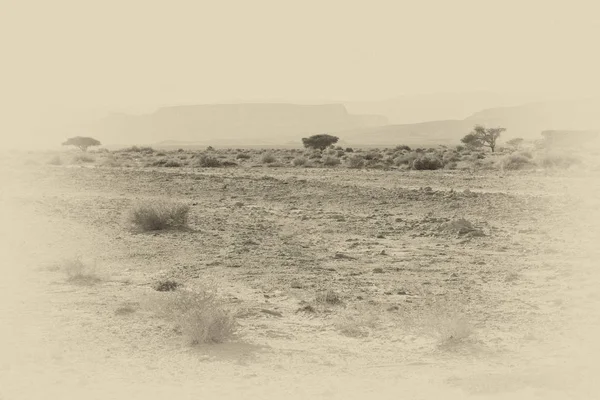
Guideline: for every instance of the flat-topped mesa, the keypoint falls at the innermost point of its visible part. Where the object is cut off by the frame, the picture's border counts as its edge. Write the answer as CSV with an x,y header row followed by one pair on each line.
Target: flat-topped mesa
x,y
280,122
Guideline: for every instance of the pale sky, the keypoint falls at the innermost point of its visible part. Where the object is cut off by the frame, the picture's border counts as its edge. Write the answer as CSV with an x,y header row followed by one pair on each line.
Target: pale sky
x,y
85,53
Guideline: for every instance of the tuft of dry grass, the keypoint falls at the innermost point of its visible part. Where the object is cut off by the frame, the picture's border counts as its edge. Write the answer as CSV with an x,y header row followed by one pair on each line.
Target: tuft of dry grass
x,y
328,297
199,315
159,215
268,158
79,273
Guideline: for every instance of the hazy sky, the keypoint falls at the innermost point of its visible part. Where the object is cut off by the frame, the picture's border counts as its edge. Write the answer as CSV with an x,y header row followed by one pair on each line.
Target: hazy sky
x,y
123,52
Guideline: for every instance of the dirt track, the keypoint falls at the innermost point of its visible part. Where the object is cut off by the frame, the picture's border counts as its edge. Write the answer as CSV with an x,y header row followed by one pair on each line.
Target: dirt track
x,y
527,286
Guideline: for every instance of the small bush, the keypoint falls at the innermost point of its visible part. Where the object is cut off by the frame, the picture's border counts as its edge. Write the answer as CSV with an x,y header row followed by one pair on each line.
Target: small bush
x,y
159,215
402,147
172,164
207,161
349,150
405,159
111,161
166,286
299,161
136,149
427,163
83,158
200,316
243,156
355,162
79,273
331,161
268,158
516,161
329,297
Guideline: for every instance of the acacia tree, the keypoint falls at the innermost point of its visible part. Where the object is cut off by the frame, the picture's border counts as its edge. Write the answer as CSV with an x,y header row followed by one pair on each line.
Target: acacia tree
x,y
482,136
320,142
82,142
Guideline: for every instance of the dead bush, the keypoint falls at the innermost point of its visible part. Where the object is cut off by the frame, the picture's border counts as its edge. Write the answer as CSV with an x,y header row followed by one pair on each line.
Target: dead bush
x,y
199,315
159,215
79,273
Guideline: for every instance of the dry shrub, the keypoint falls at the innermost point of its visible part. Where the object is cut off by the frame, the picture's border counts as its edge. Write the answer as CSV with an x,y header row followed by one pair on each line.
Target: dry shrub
x,y
172,164
299,161
79,273
243,156
427,163
328,297
83,158
157,215
405,159
444,322
331,161
516,161
206,161
111,161
199,315
268,158
355,162
136,149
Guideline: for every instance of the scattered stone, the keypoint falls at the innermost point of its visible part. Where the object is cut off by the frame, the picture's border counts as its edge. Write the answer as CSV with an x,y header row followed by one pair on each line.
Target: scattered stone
x,y
307,308
342,256
270,312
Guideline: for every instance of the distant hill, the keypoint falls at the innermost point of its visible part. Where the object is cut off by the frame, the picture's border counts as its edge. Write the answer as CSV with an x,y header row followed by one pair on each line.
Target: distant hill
x,y
526,121
259,124
412,109
229,123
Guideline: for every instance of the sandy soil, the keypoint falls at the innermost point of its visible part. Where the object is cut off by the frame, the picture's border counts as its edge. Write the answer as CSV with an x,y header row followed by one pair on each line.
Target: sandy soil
x,y
270,240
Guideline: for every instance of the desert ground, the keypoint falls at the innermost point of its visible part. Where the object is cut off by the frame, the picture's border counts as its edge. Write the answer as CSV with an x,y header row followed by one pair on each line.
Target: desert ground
x,y
382,282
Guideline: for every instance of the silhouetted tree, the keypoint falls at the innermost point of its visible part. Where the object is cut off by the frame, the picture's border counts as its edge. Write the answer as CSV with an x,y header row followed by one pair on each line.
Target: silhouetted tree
x,y
320,142
482,136
82,142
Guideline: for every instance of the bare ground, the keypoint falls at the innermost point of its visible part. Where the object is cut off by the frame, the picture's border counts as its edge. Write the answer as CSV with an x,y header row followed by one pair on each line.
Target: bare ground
x,y
509,310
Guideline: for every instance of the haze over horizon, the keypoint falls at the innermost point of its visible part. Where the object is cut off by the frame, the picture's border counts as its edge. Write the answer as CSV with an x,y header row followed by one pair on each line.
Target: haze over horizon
x,y
68,55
